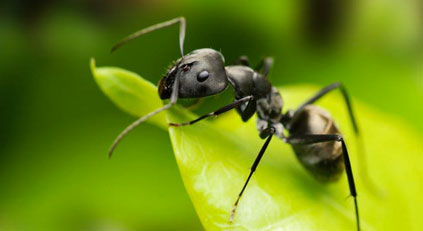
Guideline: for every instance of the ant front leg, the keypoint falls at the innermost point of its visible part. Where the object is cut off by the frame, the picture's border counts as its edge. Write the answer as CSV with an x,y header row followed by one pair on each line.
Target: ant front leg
x,y
215,113
318,138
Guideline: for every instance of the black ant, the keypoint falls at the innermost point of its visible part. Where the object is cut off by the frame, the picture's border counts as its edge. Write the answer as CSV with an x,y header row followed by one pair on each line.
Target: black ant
x,y
313,135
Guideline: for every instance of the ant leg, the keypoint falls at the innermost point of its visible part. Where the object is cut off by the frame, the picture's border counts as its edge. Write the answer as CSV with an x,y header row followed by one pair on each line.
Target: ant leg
x,y
242,60
322,93
264,66
270,131
215,113
310,139
363,163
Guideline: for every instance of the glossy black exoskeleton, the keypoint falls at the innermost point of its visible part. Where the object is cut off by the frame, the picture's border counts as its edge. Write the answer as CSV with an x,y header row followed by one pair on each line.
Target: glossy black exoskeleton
x,y
313,135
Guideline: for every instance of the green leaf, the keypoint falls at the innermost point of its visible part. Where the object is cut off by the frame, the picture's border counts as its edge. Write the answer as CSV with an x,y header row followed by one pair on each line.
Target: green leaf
x,y
129,91
214,157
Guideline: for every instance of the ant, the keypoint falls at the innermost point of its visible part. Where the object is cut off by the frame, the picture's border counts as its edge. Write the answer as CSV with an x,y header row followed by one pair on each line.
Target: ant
x,y
313,134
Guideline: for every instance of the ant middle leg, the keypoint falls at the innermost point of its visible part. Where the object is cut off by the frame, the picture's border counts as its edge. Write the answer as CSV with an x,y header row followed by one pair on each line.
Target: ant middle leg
x,y
269,131
318,138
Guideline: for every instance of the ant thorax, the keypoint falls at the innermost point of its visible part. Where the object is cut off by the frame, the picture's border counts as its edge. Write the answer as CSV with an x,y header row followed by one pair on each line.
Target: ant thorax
x,y
269,112
267,102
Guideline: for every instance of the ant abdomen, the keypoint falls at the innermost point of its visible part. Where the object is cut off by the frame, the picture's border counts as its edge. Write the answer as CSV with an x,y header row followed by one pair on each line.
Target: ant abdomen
x,y
324,160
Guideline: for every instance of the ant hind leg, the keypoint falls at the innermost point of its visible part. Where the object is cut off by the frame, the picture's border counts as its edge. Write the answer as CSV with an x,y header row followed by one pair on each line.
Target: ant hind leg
x,y
318,138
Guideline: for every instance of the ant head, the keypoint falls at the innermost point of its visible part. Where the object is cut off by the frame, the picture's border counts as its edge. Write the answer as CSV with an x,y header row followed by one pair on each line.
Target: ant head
x,y
201,73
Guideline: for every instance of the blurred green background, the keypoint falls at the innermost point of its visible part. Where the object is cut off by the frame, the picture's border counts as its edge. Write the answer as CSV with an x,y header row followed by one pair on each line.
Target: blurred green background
x,y
56,125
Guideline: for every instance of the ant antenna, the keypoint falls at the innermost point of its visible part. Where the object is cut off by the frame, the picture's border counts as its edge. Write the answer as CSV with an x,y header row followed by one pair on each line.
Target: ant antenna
x,y
157,27
136,123
175,87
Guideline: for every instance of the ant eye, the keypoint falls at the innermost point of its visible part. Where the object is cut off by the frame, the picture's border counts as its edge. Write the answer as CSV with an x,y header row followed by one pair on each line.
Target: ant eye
x,y
202,76
186,68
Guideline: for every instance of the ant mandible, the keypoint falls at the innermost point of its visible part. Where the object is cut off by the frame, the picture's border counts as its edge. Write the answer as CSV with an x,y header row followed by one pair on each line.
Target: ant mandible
x,y
313,135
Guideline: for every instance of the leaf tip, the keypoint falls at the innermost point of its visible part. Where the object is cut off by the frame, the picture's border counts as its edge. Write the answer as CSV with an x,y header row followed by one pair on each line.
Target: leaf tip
x,y
92,65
